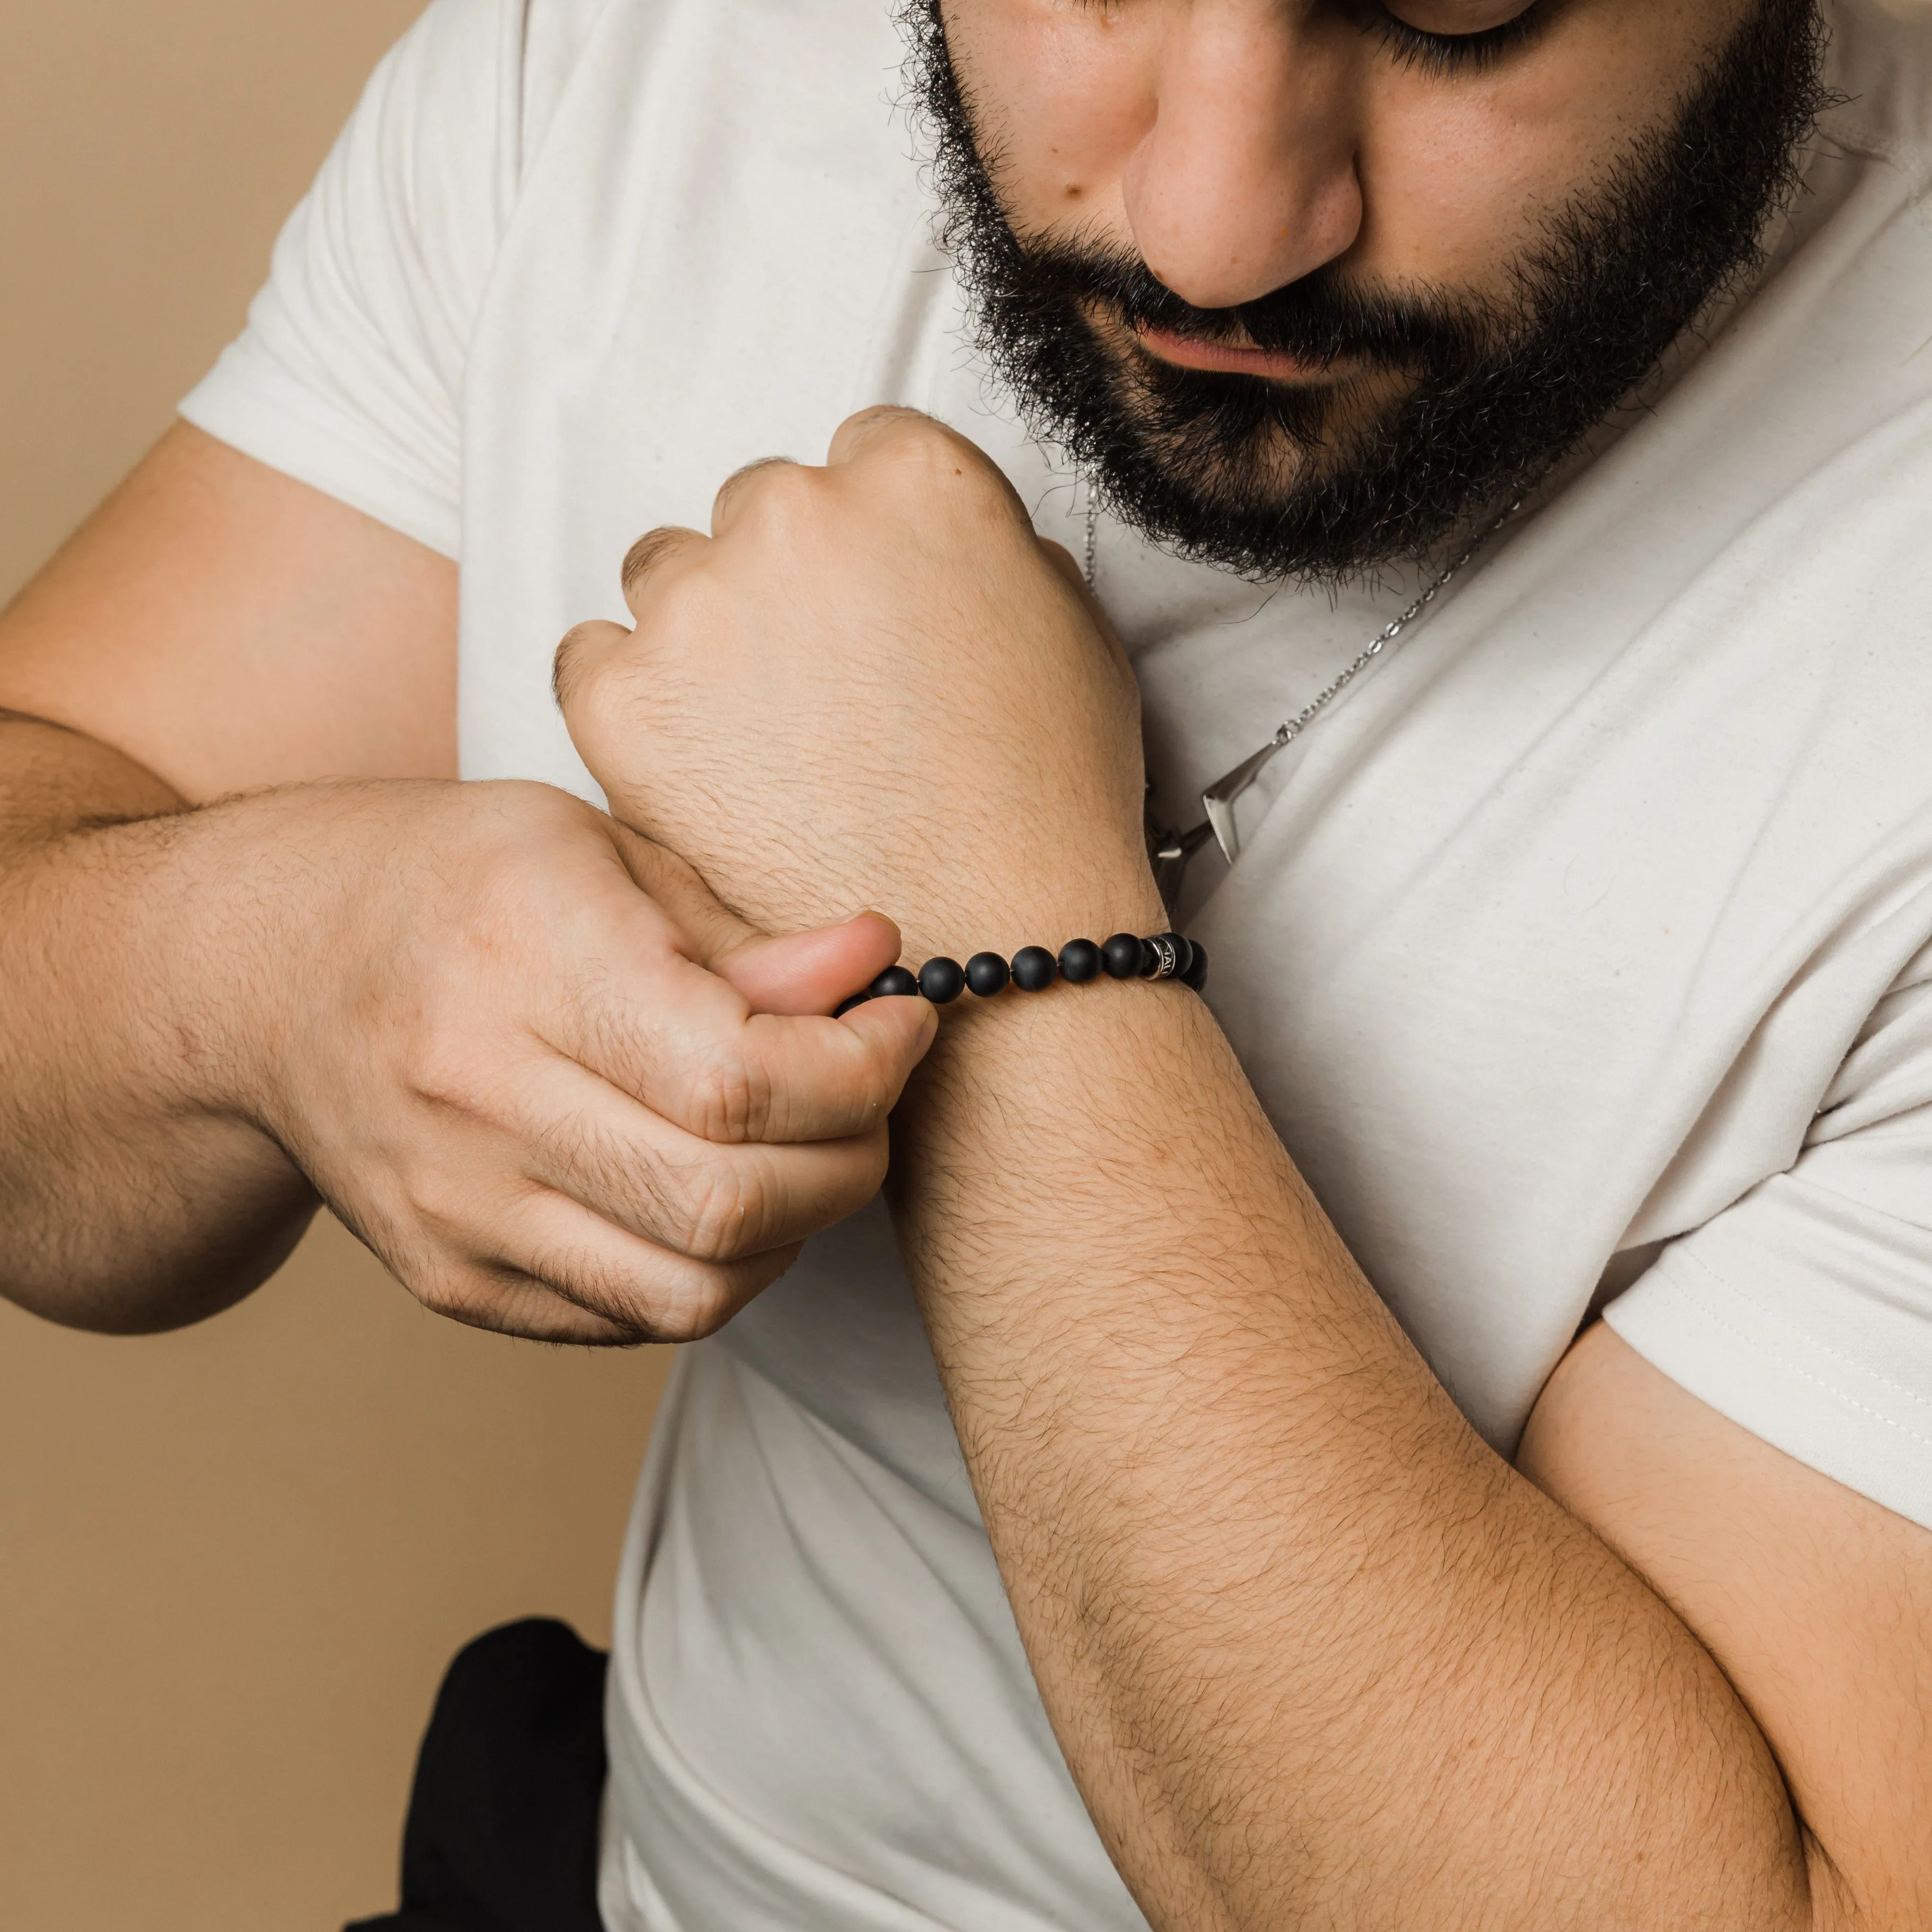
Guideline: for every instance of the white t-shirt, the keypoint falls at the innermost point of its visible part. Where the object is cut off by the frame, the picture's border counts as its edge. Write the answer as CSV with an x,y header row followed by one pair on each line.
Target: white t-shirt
x,y
1581,956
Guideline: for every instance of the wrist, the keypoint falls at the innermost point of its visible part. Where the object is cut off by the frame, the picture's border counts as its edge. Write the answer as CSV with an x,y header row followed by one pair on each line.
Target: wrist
x,y
1005,909
232,918
150,969
288,896
1027,1092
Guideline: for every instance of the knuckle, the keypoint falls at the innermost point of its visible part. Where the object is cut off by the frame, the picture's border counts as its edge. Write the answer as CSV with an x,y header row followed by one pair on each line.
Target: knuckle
x,y
756,483
795,493
438,1208
458,1294
572,664
884,425
676,1299
944,473
593,659
444,1073
783,505
648,551
728,1099
683,604
700,1305
718,1210
596,693
918,446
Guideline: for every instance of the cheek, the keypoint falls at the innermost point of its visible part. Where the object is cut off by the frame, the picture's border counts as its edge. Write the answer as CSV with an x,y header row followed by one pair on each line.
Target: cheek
x,y
1453,186
1062,97
1459,178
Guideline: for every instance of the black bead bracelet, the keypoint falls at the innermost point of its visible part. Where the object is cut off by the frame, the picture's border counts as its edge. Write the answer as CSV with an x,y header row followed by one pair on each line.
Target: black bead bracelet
x,y
1033,969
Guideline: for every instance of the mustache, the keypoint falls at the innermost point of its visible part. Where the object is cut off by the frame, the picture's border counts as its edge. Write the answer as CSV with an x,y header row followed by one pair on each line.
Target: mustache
x,y
1320,319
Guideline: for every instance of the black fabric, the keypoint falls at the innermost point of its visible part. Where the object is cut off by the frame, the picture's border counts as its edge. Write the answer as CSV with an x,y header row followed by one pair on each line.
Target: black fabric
x,y
502,1834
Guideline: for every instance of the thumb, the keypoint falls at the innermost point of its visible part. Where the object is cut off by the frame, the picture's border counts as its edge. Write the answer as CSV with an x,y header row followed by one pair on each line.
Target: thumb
x,y
794,973
810,972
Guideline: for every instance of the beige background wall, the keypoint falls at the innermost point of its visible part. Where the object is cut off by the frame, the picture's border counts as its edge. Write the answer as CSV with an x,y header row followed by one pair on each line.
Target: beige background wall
x,y
233,1561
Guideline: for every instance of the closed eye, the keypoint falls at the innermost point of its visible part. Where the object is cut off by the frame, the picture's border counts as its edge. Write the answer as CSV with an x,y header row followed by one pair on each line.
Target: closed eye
x,y
1434,51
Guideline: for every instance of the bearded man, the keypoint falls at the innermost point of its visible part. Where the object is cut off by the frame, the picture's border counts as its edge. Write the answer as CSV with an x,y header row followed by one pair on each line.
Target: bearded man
x,y
1429,1427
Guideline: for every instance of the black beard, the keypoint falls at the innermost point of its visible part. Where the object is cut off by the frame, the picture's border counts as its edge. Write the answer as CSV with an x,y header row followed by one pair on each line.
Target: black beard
x,y
1261,477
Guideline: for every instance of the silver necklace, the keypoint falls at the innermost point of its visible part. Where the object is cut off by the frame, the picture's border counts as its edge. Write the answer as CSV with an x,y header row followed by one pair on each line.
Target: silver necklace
x,y
1170,851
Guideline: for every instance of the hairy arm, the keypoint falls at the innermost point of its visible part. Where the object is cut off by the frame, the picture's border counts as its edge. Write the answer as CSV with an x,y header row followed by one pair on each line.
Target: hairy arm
x,y
257,946
134,1193
213,628
1316,1655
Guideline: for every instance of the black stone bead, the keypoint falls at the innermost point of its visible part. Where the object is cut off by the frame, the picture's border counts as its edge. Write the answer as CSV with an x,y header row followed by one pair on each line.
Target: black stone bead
x,y
1121,955
987,973
1079,961
942,980
1034,969
895,982
1195,977
1184,953
845,1006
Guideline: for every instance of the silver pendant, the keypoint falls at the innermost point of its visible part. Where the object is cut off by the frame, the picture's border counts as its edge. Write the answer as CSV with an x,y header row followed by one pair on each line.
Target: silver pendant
x,y
1169,852
1218,800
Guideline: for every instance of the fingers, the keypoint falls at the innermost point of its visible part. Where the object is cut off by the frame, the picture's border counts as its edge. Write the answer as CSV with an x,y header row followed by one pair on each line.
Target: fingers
x,y
706,929
882,424
719,1028
736,486
657,554
662,1029
555,1271
704,1200
787,1079
796,973
582,651
506,1301
909,459
577,1214
652,556
703,1061
808,972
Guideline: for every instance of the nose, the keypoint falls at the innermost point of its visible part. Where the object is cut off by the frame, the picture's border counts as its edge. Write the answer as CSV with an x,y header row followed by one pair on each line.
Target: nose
x,y
1245,179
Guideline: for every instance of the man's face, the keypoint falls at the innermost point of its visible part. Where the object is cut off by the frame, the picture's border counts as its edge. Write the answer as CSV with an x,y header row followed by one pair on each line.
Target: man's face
x,y
1306,283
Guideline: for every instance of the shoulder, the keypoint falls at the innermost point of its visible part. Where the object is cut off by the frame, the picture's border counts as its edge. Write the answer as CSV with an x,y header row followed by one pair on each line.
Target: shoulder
x,y
553,38
599,77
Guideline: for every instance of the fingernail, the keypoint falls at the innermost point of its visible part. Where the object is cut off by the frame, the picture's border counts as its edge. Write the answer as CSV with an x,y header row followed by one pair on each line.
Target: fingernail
x,y
865,913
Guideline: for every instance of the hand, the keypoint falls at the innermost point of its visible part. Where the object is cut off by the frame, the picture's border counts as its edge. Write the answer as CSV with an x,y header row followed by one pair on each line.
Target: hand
x,y
529,1058
873,684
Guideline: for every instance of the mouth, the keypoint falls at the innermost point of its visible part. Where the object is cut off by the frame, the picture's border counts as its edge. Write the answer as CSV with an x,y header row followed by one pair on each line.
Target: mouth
x,y
1189,351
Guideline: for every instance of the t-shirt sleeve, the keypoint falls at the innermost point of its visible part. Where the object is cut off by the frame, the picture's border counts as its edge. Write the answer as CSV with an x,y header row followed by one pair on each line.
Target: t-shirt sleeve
x,y
1803,1311
348,374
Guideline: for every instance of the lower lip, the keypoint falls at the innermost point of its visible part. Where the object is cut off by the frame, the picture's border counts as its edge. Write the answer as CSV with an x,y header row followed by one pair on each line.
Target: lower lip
x,y
1189,352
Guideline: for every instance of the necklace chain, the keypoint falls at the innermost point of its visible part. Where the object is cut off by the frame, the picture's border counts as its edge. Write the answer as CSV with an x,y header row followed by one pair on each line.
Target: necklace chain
x,y
1291,729
1171,850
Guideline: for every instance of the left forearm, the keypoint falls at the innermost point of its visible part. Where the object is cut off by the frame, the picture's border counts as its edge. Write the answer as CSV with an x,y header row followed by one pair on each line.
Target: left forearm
x,y
1316,1655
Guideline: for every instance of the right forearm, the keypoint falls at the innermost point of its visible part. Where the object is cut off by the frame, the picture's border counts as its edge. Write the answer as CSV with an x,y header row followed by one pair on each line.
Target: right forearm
x,y
135,1193
526,1055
